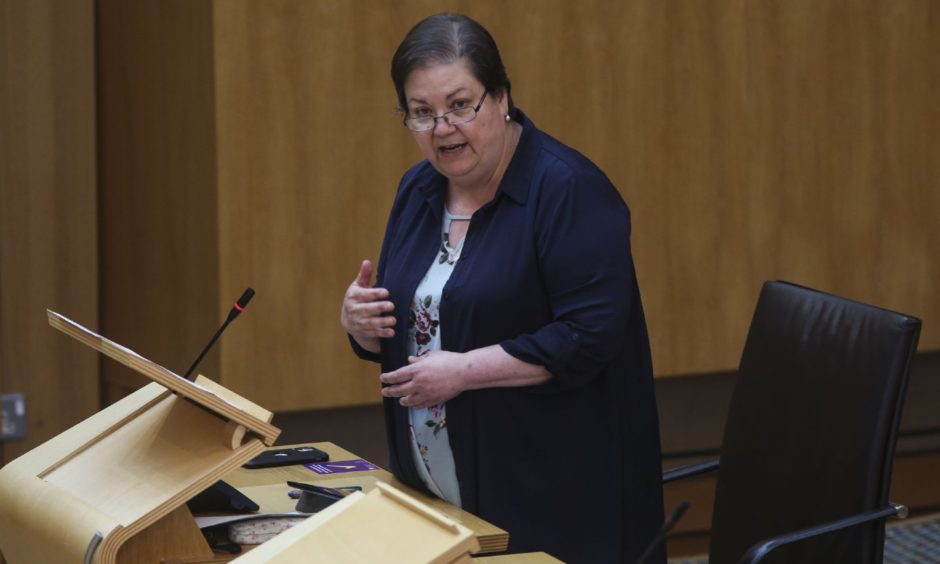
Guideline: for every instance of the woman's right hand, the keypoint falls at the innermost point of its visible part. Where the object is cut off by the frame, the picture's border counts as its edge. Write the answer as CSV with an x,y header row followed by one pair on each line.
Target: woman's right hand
x,y
364,308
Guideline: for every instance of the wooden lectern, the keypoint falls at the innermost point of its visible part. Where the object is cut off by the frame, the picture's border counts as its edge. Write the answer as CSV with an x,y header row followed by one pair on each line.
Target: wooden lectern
x,y
114,487
385,525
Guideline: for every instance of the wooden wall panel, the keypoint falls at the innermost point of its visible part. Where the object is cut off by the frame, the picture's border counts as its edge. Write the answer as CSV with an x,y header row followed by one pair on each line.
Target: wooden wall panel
x,y
157,189
247,143
753,140
48,229
310,151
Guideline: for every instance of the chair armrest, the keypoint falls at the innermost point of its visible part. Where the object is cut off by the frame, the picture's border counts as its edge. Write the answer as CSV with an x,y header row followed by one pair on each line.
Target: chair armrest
x,y
761,549
690,470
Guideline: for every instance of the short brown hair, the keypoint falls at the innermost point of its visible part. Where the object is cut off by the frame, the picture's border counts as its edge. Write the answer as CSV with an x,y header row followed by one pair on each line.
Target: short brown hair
x,y
446,38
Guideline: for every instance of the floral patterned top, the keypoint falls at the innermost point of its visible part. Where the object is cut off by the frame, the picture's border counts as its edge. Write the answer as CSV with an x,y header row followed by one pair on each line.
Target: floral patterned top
x,y
430,443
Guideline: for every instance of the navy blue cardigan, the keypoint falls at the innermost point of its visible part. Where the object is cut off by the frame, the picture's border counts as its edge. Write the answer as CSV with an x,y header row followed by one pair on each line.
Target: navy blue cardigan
x,y
571,466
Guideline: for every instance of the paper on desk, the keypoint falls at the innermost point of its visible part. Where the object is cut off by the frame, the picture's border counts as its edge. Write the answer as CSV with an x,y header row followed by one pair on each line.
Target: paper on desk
x,y
205,521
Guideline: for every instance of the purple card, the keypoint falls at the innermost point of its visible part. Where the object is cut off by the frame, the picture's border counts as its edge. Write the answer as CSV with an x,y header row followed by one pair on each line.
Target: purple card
x,y
340,466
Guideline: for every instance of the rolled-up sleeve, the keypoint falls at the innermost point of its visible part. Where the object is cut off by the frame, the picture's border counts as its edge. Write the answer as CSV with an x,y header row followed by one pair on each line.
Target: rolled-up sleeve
x,y
583,250
361,352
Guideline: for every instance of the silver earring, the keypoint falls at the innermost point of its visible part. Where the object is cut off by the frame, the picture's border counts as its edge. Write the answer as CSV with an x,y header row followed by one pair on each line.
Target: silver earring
x,y
508,119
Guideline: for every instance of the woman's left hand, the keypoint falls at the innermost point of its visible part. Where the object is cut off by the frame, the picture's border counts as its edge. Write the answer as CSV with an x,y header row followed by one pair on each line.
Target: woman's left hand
x,y
427,380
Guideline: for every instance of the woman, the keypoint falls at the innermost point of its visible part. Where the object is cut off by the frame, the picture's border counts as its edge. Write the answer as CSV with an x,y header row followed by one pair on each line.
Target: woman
x,y
506,316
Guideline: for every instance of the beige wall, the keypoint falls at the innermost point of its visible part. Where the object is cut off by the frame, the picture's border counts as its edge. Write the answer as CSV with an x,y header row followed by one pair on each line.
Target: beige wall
x,y
48,232
256,143
157,188
310,152
753,140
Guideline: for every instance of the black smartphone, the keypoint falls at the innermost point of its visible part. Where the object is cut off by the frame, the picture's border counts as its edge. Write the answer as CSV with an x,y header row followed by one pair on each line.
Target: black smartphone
x,y
287,456
321,490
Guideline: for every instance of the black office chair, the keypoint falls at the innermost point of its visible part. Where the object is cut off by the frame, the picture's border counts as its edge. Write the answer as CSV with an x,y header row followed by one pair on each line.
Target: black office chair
x,y
809,439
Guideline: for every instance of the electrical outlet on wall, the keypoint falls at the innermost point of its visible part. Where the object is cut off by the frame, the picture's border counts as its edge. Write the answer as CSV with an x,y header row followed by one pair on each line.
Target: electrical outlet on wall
x,y
14,417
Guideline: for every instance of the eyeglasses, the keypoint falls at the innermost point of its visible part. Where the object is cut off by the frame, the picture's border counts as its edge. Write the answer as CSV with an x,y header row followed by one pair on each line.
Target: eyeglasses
x,y
453,117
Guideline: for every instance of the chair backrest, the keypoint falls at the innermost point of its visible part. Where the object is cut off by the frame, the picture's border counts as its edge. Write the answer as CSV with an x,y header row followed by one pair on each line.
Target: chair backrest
x,y
812,425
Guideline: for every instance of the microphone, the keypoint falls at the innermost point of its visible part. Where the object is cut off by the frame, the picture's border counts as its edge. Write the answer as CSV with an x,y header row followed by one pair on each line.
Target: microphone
x,y
677,514
238,307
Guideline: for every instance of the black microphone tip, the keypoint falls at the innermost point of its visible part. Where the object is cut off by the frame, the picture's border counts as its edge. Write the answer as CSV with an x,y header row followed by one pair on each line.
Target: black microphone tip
x,y
246,297
240,305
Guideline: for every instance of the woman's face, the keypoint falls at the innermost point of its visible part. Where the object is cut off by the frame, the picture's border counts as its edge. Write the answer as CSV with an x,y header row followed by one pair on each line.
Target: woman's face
x,y
468,153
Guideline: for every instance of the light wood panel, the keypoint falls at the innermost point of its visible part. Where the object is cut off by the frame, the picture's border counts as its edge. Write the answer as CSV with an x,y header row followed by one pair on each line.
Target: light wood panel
x,y
157,189
753,140
48,232
126,470
518,558
310,151
230,406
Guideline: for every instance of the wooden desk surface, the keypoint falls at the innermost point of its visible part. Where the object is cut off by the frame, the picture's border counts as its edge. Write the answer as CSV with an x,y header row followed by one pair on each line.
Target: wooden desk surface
x,y
268,488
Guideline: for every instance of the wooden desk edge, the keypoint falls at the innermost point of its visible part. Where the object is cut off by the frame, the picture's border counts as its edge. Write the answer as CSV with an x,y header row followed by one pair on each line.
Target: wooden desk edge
x,y
492,539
